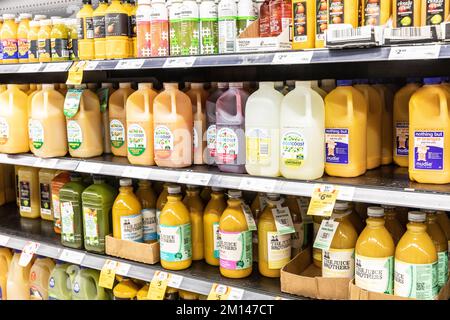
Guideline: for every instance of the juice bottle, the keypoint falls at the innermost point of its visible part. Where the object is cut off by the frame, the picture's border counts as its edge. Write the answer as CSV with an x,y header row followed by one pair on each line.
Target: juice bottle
x,y
97,202
104,94
211,121
60,283
126,214
246,15
406,13
29,192
22,37
117,118
345,131
374,255
98,18
236,256
39,277
132,28
305,22
274,249
264,19
434,12
321,23
302,127
126,289
60,41
416,261
198,97
392,224
72,26
205,194
444,223
230,126
173,127
439,239
143,26
211,218
339,207
262,124
71,212
159,29
175,232
401,122
57,183
5,261
47,126
86,31
147,198
8,36
209,27
386,122
376,13
1,48
227,12
45,193
13,121
300,238
139,117
343,11
117,43
190,28
280,16
44,41
160,203
194,204
175,27
18,282
33,53
85,286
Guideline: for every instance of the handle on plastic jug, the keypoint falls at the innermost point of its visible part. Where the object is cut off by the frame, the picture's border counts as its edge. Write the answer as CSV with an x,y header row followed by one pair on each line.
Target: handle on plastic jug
x,y
349,104
94,277
173,102
198,96
308,105
238,103
443,101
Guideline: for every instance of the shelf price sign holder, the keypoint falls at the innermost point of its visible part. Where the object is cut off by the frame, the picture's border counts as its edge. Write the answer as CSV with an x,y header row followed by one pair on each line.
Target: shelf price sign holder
x,y
223,292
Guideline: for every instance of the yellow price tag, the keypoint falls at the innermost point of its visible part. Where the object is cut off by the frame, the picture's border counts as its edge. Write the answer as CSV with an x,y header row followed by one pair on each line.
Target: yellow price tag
x,y
158,286
323,200
219,292
76,73
108,274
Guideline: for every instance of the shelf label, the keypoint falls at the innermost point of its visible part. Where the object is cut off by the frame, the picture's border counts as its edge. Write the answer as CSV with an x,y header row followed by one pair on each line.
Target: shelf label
x,y
345,193
261,185
325,234
186,62
108,274
57,67
89,167
196,178
91,65
222,292
30,68
71,256
135,172
130,64
158,286
283,220
249,217
415,52
123,268
76,73
300,57
46,163
28,252
4,240
322,200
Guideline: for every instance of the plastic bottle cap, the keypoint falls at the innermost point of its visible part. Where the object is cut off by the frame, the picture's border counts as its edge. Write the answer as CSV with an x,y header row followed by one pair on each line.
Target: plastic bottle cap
x,y
273,196
277,84
144,211
197,85
375,212
306,84
25,16
46,22
34,24
235,193
236,84
417,216
216,189
40,17
222,85
126,182
170,85
107,85
341,205
343,83
434,80
125,85
174,189
58,21
145,85
9,16
48,86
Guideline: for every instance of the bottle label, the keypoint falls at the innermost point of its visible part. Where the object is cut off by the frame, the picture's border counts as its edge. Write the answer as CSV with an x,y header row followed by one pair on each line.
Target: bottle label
x,y
286,15
209,28
99,27
137,140
132,31
117,133
227,34
116,25
321,19
163,142
10,49
24,48
89,28
294,149
149,217
4,131
74,135
374,274
259,144
159,30
131,228
189,31
90,220
227,146
175,29
216,237
299,237
67,222
44,190
275,18
235,250
73,48
300,22
402,139
337,146
278,249
434,12
429,150
56,207
36,131
442,268
211,140
33,52
80,24
25,196
336,15
372,10
338,263
143,36
176,242
60,48
158,229
417,281
45,48
405,13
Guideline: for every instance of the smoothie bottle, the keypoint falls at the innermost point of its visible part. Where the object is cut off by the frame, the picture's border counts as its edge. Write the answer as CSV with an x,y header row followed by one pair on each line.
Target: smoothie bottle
x,y
264,19
143,28
28,181
386,122
211,103
18,281
45,193
194,204
190,28
86,31
60,284
98,17
227,13
147,197
33,53
117,44
39,277
343,11
59,38
175,27
434,12
246,15
280,16
392,224
159,29
57,183
406,13
8,37
5,261
305,22
104,94
376,13
209,27
22,37
198,97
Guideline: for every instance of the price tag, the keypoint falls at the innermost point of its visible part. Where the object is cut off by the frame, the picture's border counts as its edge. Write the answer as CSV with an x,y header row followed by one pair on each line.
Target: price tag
x,y
185,62
322,200
283,220
91,65
415,52
222,292
130,64
201,179
108,274
76,73
89,167
300,57
158,286
261,185
325,234
249,217
46,163
135,172
4,240
28,252
57,67
30,68
71,256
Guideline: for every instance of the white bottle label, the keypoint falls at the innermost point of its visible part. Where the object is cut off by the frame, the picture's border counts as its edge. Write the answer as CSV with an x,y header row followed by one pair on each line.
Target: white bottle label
x,y
163,139
67,214
211,140
227,26
294,148
36,131
442,268
176,242
235,250
338,263
374,274
415,280
131,228
216,240
137,140
117,132
4,131
278,249
90,220
259,144
74,135
150,232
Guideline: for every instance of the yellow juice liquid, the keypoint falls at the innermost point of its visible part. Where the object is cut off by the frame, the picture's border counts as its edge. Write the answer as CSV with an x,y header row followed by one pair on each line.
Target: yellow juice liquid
x,y
86,46
356,221
117,42
22,38
194,204
440,242
211,218
392,223
29,192
304,24
317,253
406,13
160,203
44,41
100,30
60,41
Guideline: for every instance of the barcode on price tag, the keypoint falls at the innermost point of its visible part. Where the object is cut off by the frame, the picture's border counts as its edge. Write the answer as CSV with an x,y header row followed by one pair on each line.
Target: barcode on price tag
x,y
325,234
130,64
28,252
283,220
57,67
261,185
71,256
89,167
46,163
186,62
300,57
201,179
29,68
415,52
3,240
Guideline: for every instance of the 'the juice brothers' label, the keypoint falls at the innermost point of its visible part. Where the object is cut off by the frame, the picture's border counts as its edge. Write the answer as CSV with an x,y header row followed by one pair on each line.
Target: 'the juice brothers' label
x,y
131,228
372,12
90,221
209,28
429,150
434,11
374,274
227,146
235,250
216,237
321,19
176,242
300,22
278,249
336,10
36,131
258,146
4,131
402,139
415,280
149,216
44,190
337,146
293,148
117,133
137,140
163,141
338,263
405,13
74,135
25,196
117,25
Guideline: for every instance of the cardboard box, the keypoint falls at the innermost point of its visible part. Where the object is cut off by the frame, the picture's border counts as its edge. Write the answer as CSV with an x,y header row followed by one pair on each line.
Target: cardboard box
x,y
140,252
301,277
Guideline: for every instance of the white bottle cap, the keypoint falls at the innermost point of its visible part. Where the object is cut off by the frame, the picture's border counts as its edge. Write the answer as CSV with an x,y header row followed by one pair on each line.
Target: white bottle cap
x,y
48,86
9,16
145,85
273,196
40,17
57,21
174,189
34,24
376,212
125,85
222,85
341,205
197,85
277,84
306,84
126,182
107,85
25,16
235,193
417,216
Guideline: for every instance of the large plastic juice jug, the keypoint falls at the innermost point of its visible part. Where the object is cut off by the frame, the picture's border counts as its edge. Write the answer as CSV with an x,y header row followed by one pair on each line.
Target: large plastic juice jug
x,y
406,13
160,203
85,286
230,126
416,261
86,31
444,223
60,281
376,13
429,116
236,257
209,26
194,204
71,212
374,255
13,121
262,131
39,277
117,43
33,53
304,24
345,131
190,28
280,16
117,118
44,41
139,117
97,202
386,96
175,27
22,37
343,11
401,123
302,129
227,12
5,261
8,36
45,193
48,124
57,183
104,94
173,127
126,214
198,97
147,198
98,17
126,289
17,284
392,224
29,192
211,218
175,232
211,121
434,12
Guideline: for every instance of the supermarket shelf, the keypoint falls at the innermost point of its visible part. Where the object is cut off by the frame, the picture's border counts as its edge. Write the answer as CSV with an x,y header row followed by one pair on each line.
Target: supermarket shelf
x,y
199,278
388,185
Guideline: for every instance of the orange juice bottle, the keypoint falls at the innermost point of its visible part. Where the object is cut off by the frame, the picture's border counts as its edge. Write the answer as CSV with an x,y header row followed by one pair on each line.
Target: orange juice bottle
x,y
434,12
98,17
104,94
44,41
22,37
444,223
198,96
386,122
173,127
236,256
18,282
139,115
194,204
117,43
406,13
374,255
29,192
416,261
392,224
86,46
304,24
211,218
321,23
39,277
175,232
376,12
343,11
160,203
117,119
33,53
60,41
8,36
147,197
345,131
